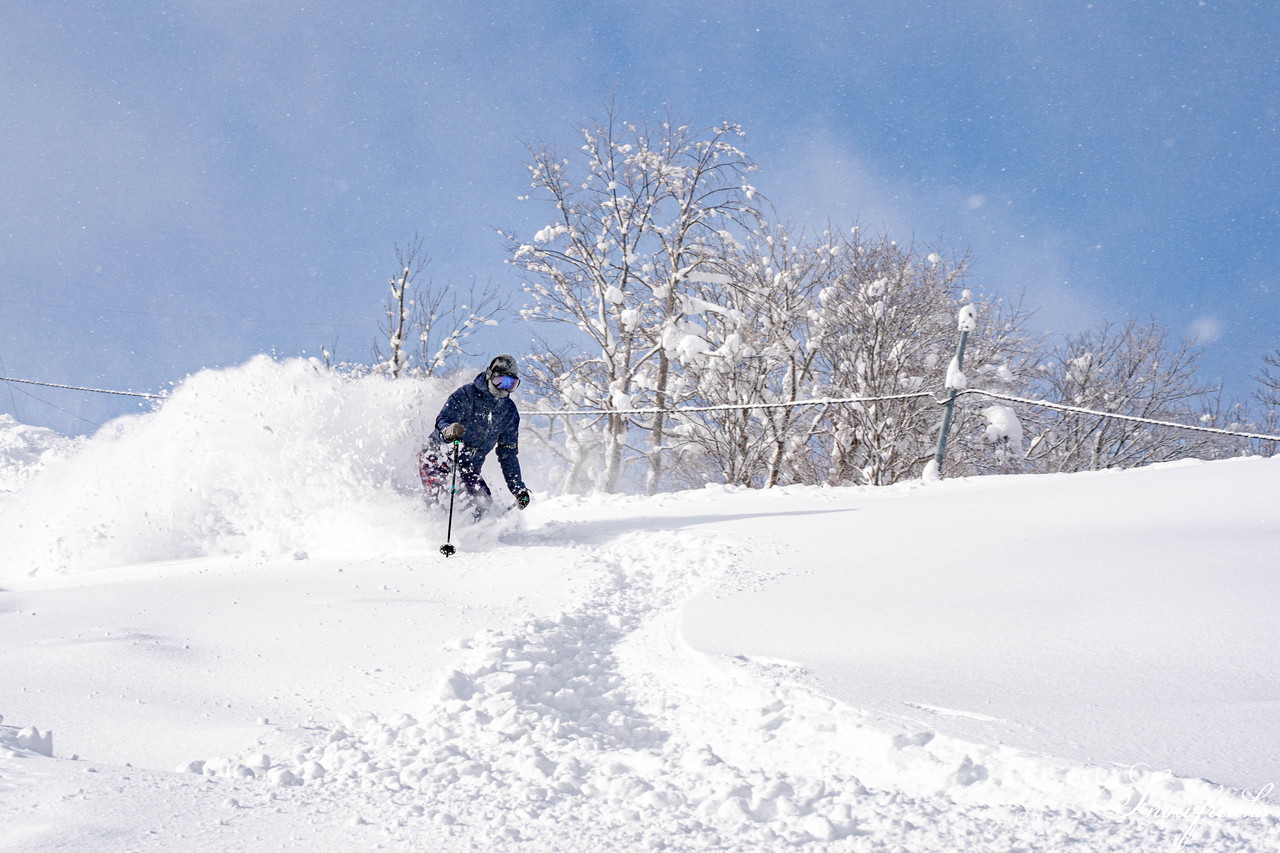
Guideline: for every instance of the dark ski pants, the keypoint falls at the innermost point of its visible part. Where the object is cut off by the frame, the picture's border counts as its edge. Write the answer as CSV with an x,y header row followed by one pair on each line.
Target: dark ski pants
x,y
436,475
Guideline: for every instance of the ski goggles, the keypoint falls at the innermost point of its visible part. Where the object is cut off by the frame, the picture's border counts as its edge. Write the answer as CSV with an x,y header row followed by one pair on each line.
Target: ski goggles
x,y
503,382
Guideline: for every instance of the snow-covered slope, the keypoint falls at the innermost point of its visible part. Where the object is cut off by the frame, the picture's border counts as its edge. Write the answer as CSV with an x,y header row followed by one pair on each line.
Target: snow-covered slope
x,y
1116,616
232,616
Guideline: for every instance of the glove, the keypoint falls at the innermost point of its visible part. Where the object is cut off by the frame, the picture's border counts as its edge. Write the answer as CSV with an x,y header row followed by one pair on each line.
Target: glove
x,y
453,432
522,498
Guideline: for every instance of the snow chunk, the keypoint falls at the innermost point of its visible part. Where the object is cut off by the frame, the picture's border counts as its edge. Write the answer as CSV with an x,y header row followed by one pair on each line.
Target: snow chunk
x,y
34,740
1003,426
968,772
551,232
967,319
956,380
1078,368
282,777
620,400
457,686
690,347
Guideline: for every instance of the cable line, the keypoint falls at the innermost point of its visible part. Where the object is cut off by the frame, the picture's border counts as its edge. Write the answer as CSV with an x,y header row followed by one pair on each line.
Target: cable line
x,y
785,404
1079,410
79,388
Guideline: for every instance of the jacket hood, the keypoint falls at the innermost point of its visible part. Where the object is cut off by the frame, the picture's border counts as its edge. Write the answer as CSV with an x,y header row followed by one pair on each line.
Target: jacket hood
x,y
503,365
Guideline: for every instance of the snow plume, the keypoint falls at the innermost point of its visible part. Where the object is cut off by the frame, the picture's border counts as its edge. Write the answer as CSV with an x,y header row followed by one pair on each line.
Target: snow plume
x,y
267,458
24,450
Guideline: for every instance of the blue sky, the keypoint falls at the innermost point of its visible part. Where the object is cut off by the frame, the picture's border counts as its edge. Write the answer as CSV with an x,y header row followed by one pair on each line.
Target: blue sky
x,y
189,183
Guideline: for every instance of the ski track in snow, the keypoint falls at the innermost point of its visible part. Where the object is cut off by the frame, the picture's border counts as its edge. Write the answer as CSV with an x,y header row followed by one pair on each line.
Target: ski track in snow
x,y
592,730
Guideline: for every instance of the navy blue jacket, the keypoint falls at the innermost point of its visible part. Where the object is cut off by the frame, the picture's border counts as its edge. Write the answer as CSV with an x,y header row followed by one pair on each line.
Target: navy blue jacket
x,y
490,422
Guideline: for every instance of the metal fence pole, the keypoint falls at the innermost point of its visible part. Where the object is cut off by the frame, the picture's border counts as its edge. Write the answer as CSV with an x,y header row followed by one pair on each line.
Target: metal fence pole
x,y
952,393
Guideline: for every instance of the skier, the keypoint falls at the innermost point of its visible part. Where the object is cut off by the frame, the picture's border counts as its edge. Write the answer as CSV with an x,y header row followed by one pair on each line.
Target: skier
x,y
479,416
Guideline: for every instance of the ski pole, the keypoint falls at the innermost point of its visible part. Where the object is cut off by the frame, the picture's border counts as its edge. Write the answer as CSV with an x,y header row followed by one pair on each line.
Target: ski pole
x,y
447,549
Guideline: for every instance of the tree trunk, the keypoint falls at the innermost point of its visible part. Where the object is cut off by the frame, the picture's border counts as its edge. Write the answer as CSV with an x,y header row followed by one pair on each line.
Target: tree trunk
x,y
658,433
615,438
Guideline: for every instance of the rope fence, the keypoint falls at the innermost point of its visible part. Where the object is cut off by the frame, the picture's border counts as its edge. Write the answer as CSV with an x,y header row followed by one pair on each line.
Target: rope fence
x,y
831,401
825,401
724,407
78,388
1079,410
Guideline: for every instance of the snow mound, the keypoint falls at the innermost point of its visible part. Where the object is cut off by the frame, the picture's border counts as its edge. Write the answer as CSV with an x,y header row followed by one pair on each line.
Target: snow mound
x,y
267,458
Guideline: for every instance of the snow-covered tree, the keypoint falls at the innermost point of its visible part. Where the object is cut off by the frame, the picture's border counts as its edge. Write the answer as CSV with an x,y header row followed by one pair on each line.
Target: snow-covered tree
x,y
760,350
639,213
1268,379
399,307
834,315
575,442
887,328
1135,370
445,320
1268,396
1236,416
440,319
